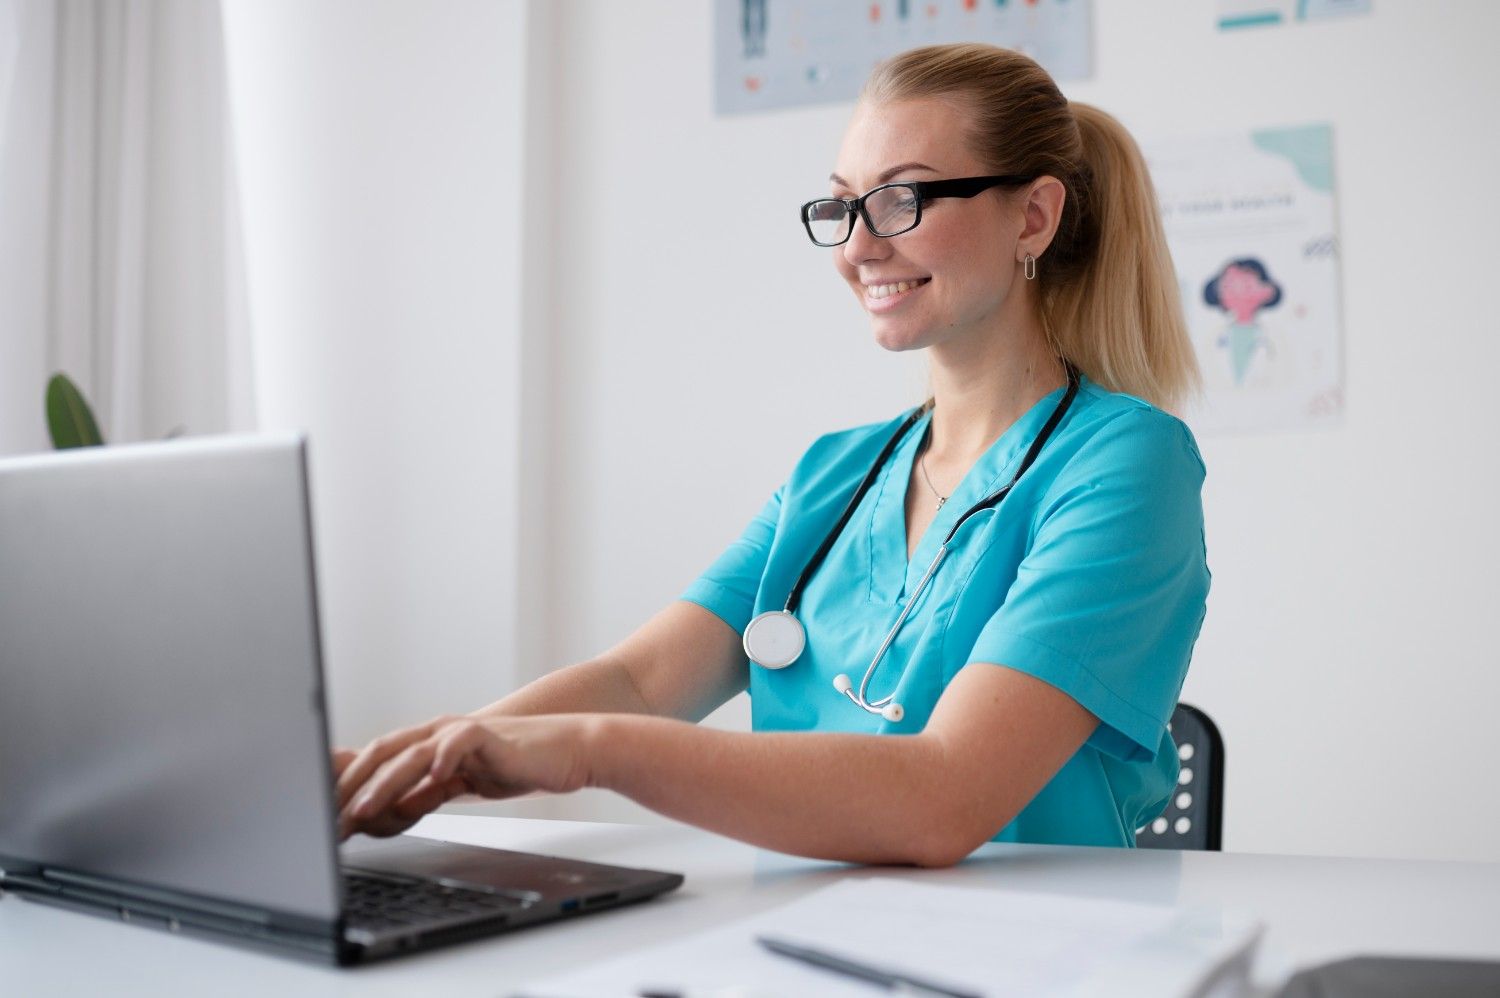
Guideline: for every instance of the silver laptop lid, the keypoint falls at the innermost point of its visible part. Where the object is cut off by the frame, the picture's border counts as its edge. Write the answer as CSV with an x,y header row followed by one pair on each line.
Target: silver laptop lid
x,y
161,710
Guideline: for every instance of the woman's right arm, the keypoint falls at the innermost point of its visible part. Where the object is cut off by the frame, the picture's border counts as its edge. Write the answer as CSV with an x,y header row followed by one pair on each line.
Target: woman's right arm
x,y
682,663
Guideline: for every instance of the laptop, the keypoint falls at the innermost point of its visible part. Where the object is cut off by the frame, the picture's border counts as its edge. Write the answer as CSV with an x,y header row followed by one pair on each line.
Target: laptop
x,y
164,754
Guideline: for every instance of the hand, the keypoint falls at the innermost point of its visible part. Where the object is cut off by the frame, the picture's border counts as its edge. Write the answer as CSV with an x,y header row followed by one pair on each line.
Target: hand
x,y
399,777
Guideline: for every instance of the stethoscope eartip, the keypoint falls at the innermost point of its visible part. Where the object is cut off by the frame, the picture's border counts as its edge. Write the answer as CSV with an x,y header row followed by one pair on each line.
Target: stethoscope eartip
x,y
892,712
842,683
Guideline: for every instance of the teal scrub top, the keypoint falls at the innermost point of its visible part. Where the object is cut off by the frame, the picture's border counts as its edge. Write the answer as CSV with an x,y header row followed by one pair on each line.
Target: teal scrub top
x,y
1091,576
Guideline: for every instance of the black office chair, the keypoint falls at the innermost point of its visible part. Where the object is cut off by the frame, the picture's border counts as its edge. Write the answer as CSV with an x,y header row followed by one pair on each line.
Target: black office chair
x,y
1194,818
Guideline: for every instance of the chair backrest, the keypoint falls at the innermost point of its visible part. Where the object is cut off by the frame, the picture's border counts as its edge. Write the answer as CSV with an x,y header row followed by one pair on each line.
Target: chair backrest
x,y
1194,818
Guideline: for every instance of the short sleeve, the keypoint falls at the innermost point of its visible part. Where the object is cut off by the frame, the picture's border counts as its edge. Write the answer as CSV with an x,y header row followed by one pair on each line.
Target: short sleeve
x,y
1109,598
729,587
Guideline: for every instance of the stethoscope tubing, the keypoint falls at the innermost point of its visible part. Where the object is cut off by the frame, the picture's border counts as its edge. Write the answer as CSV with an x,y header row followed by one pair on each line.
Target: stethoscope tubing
x,y
886,705
794,598
916,596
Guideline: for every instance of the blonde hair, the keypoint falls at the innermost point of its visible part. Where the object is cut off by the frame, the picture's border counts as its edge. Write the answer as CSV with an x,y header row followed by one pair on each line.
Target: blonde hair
x,y
1109,300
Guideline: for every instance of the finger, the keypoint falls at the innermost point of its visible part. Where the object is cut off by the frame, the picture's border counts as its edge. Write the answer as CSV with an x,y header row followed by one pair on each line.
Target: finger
x,y
455,745
425,785
381,826
427,796
373,755
393,780
341,759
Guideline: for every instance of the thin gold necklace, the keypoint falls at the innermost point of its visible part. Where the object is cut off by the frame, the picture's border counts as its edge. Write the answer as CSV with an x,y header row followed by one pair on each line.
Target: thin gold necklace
x,y
922,464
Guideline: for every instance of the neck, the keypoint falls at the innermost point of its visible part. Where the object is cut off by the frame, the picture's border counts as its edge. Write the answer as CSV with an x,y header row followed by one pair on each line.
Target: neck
x,y
982,385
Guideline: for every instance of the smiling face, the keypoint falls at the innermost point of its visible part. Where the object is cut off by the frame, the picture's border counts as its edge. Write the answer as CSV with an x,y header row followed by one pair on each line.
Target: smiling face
x,y
950,277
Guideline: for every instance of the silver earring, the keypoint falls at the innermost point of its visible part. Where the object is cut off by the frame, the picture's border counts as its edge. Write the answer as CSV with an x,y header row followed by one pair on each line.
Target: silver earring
x,y
1030,267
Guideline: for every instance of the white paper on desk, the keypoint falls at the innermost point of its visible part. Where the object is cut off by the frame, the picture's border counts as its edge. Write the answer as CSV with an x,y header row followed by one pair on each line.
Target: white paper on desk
x,y
991,941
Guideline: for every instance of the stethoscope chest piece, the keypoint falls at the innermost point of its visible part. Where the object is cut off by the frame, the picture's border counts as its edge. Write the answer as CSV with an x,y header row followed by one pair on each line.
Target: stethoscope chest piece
x,y
775,639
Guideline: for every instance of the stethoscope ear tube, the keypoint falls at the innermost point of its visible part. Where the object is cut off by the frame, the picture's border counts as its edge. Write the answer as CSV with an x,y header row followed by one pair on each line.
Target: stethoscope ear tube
x,y
795,596
887,707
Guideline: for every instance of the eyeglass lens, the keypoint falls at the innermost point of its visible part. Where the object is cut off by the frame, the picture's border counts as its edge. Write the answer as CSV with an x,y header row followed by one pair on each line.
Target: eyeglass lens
x,y
890,211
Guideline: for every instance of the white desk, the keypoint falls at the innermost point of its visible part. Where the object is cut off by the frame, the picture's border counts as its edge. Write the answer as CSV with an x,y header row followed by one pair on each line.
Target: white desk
x,y
1316,909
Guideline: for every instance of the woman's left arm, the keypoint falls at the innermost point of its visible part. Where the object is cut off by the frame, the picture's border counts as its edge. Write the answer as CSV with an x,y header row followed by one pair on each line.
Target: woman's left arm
x,y
993,741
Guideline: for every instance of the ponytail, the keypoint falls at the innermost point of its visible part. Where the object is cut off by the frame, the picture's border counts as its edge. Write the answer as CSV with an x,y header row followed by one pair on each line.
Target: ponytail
x,y
1110,302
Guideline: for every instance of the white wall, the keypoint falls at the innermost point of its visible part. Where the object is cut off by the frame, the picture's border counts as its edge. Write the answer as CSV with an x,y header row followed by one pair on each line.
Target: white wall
x,y
380,157
1346,653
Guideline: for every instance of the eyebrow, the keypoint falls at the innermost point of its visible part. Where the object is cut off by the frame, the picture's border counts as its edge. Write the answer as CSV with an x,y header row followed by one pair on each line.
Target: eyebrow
x,y
886,176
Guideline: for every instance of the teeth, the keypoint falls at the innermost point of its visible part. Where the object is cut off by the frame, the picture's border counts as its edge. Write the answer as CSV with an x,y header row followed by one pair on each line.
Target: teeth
x,y
886,290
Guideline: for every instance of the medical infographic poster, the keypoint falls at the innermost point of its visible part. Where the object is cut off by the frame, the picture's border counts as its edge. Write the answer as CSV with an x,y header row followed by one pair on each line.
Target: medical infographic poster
x,y
1251,223
1235,14
788,53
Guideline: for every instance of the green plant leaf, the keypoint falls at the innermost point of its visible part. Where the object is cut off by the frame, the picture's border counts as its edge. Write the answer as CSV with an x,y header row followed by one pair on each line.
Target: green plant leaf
x,y
69,419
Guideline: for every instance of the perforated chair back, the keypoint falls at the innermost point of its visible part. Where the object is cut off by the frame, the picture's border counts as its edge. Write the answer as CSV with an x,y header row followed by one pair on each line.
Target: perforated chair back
x,y
1194,818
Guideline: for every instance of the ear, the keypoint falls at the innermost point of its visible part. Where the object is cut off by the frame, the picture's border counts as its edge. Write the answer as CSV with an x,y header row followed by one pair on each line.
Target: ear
x,y
1044,205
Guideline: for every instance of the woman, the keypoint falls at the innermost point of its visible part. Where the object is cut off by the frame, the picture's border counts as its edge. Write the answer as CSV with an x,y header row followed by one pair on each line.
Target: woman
x,y
1023,692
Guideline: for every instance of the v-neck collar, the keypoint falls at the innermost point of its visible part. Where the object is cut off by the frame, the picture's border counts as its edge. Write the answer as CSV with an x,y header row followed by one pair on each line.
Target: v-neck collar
x,y
892,574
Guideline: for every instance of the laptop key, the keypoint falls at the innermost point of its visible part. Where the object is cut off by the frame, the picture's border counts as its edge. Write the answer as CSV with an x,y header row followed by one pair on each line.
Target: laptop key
x,y
376,902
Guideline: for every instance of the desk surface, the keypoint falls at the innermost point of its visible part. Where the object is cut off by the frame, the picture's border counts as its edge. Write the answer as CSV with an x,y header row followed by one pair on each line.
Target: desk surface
x,y
1315,908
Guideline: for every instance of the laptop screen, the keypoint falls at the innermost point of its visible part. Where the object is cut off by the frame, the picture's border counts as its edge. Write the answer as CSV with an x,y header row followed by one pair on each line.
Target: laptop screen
x,y
161,712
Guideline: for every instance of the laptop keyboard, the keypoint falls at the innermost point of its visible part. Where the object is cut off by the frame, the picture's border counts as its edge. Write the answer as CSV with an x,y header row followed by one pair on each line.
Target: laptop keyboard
x,y
376,901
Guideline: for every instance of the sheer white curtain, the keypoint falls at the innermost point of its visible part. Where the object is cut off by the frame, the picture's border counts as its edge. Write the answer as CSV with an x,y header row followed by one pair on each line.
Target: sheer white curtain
x,y
119,247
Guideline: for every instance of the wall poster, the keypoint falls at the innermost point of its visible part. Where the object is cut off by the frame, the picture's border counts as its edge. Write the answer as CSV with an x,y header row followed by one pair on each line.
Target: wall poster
x,y
789,53
1251,223
1261,13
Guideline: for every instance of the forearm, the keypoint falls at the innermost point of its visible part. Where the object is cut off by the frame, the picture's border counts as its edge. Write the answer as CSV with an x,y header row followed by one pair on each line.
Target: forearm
x,y
595,686
853,798
683,663
994,740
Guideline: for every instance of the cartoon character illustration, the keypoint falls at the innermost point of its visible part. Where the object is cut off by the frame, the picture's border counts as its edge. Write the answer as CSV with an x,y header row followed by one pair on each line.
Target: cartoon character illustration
x,y
1242,289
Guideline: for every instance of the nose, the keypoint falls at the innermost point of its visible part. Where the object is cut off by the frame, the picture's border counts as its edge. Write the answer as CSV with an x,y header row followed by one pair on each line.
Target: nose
x,y
863,245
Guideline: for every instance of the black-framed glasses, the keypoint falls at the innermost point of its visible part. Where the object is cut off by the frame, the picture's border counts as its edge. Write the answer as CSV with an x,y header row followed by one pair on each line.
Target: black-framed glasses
x,y
889,209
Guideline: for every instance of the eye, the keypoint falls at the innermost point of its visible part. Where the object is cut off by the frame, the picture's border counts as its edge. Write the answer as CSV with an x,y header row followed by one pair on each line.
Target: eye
x,y
893,209
826,211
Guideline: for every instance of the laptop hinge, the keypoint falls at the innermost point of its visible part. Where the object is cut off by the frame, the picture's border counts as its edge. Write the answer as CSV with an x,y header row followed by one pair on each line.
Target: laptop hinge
x,y
175,913
107,890
172,907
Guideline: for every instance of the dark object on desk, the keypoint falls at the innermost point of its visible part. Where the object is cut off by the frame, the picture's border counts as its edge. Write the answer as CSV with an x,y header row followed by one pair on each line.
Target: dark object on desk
x,y
1194,818
1396,977
163,739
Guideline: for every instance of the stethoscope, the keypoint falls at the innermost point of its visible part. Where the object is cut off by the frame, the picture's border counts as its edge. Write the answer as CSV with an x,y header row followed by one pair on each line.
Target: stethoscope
x,y
775,639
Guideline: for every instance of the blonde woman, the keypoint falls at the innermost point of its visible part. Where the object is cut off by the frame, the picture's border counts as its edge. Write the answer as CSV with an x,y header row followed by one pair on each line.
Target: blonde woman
x,y
969,623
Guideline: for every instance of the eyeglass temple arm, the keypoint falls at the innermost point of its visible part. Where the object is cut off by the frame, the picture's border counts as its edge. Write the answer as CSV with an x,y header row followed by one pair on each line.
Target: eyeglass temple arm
x,y
966,188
